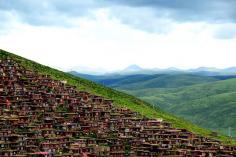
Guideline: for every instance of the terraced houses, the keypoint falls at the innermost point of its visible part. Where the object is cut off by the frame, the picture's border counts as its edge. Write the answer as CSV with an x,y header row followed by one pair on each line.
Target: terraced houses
x,y
42,117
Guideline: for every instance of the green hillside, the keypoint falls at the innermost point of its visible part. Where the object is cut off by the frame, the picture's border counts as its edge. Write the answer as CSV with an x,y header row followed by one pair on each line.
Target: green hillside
x,y
119,98
117,80
143,81
201,102
210,105
165,81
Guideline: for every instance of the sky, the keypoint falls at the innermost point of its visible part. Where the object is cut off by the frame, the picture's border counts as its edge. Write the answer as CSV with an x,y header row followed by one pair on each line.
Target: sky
x,y
104,35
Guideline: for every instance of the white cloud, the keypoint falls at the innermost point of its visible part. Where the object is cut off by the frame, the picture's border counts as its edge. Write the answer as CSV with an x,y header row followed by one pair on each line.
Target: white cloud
x,y
106,43
225,31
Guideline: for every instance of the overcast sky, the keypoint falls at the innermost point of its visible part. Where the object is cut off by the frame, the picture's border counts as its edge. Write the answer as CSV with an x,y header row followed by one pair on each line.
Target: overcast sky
x,y
110,35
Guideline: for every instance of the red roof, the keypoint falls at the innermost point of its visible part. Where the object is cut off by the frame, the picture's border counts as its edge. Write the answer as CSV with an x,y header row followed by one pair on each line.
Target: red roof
x,y
41,153
85,155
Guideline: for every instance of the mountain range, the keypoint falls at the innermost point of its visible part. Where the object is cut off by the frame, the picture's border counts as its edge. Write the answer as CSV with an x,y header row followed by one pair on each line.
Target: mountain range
x,y
135,69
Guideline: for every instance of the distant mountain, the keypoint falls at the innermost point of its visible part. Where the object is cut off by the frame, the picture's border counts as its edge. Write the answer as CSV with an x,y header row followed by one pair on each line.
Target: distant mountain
x,y
85,76
210,69
164,81
135,69
230,70
170,69
213,71
132,68
142,81
98,78
206,73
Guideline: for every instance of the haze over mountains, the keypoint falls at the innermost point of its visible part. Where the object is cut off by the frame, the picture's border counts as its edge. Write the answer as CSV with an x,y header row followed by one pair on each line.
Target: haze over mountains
x,y
135,69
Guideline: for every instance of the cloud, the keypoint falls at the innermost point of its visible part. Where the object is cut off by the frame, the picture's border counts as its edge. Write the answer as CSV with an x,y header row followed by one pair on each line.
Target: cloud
x,y
162,16
105,42
158,16
182,10
225,31
142,18
44,12
47,12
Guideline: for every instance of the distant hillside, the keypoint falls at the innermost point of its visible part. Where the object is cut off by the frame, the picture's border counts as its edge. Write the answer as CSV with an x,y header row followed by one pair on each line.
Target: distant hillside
x,y
200,99
165,81
85,76
142,81
119,98
210,105
117,80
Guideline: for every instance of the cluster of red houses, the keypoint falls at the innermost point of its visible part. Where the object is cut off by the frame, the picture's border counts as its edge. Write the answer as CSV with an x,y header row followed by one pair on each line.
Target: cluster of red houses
x,y
42,117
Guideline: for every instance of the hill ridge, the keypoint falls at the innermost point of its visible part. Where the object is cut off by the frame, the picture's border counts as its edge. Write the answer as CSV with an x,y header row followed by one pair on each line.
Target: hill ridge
x,y
144,107
218,96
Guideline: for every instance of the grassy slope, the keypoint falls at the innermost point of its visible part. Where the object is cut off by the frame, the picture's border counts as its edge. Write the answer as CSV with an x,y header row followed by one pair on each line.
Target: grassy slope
x,y
210,105
167,81
119,98
143,81
134,82
115,80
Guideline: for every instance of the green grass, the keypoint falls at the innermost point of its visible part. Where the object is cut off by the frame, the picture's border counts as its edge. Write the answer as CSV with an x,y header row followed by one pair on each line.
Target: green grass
x,y
120,99
164,81
143,81
209,105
